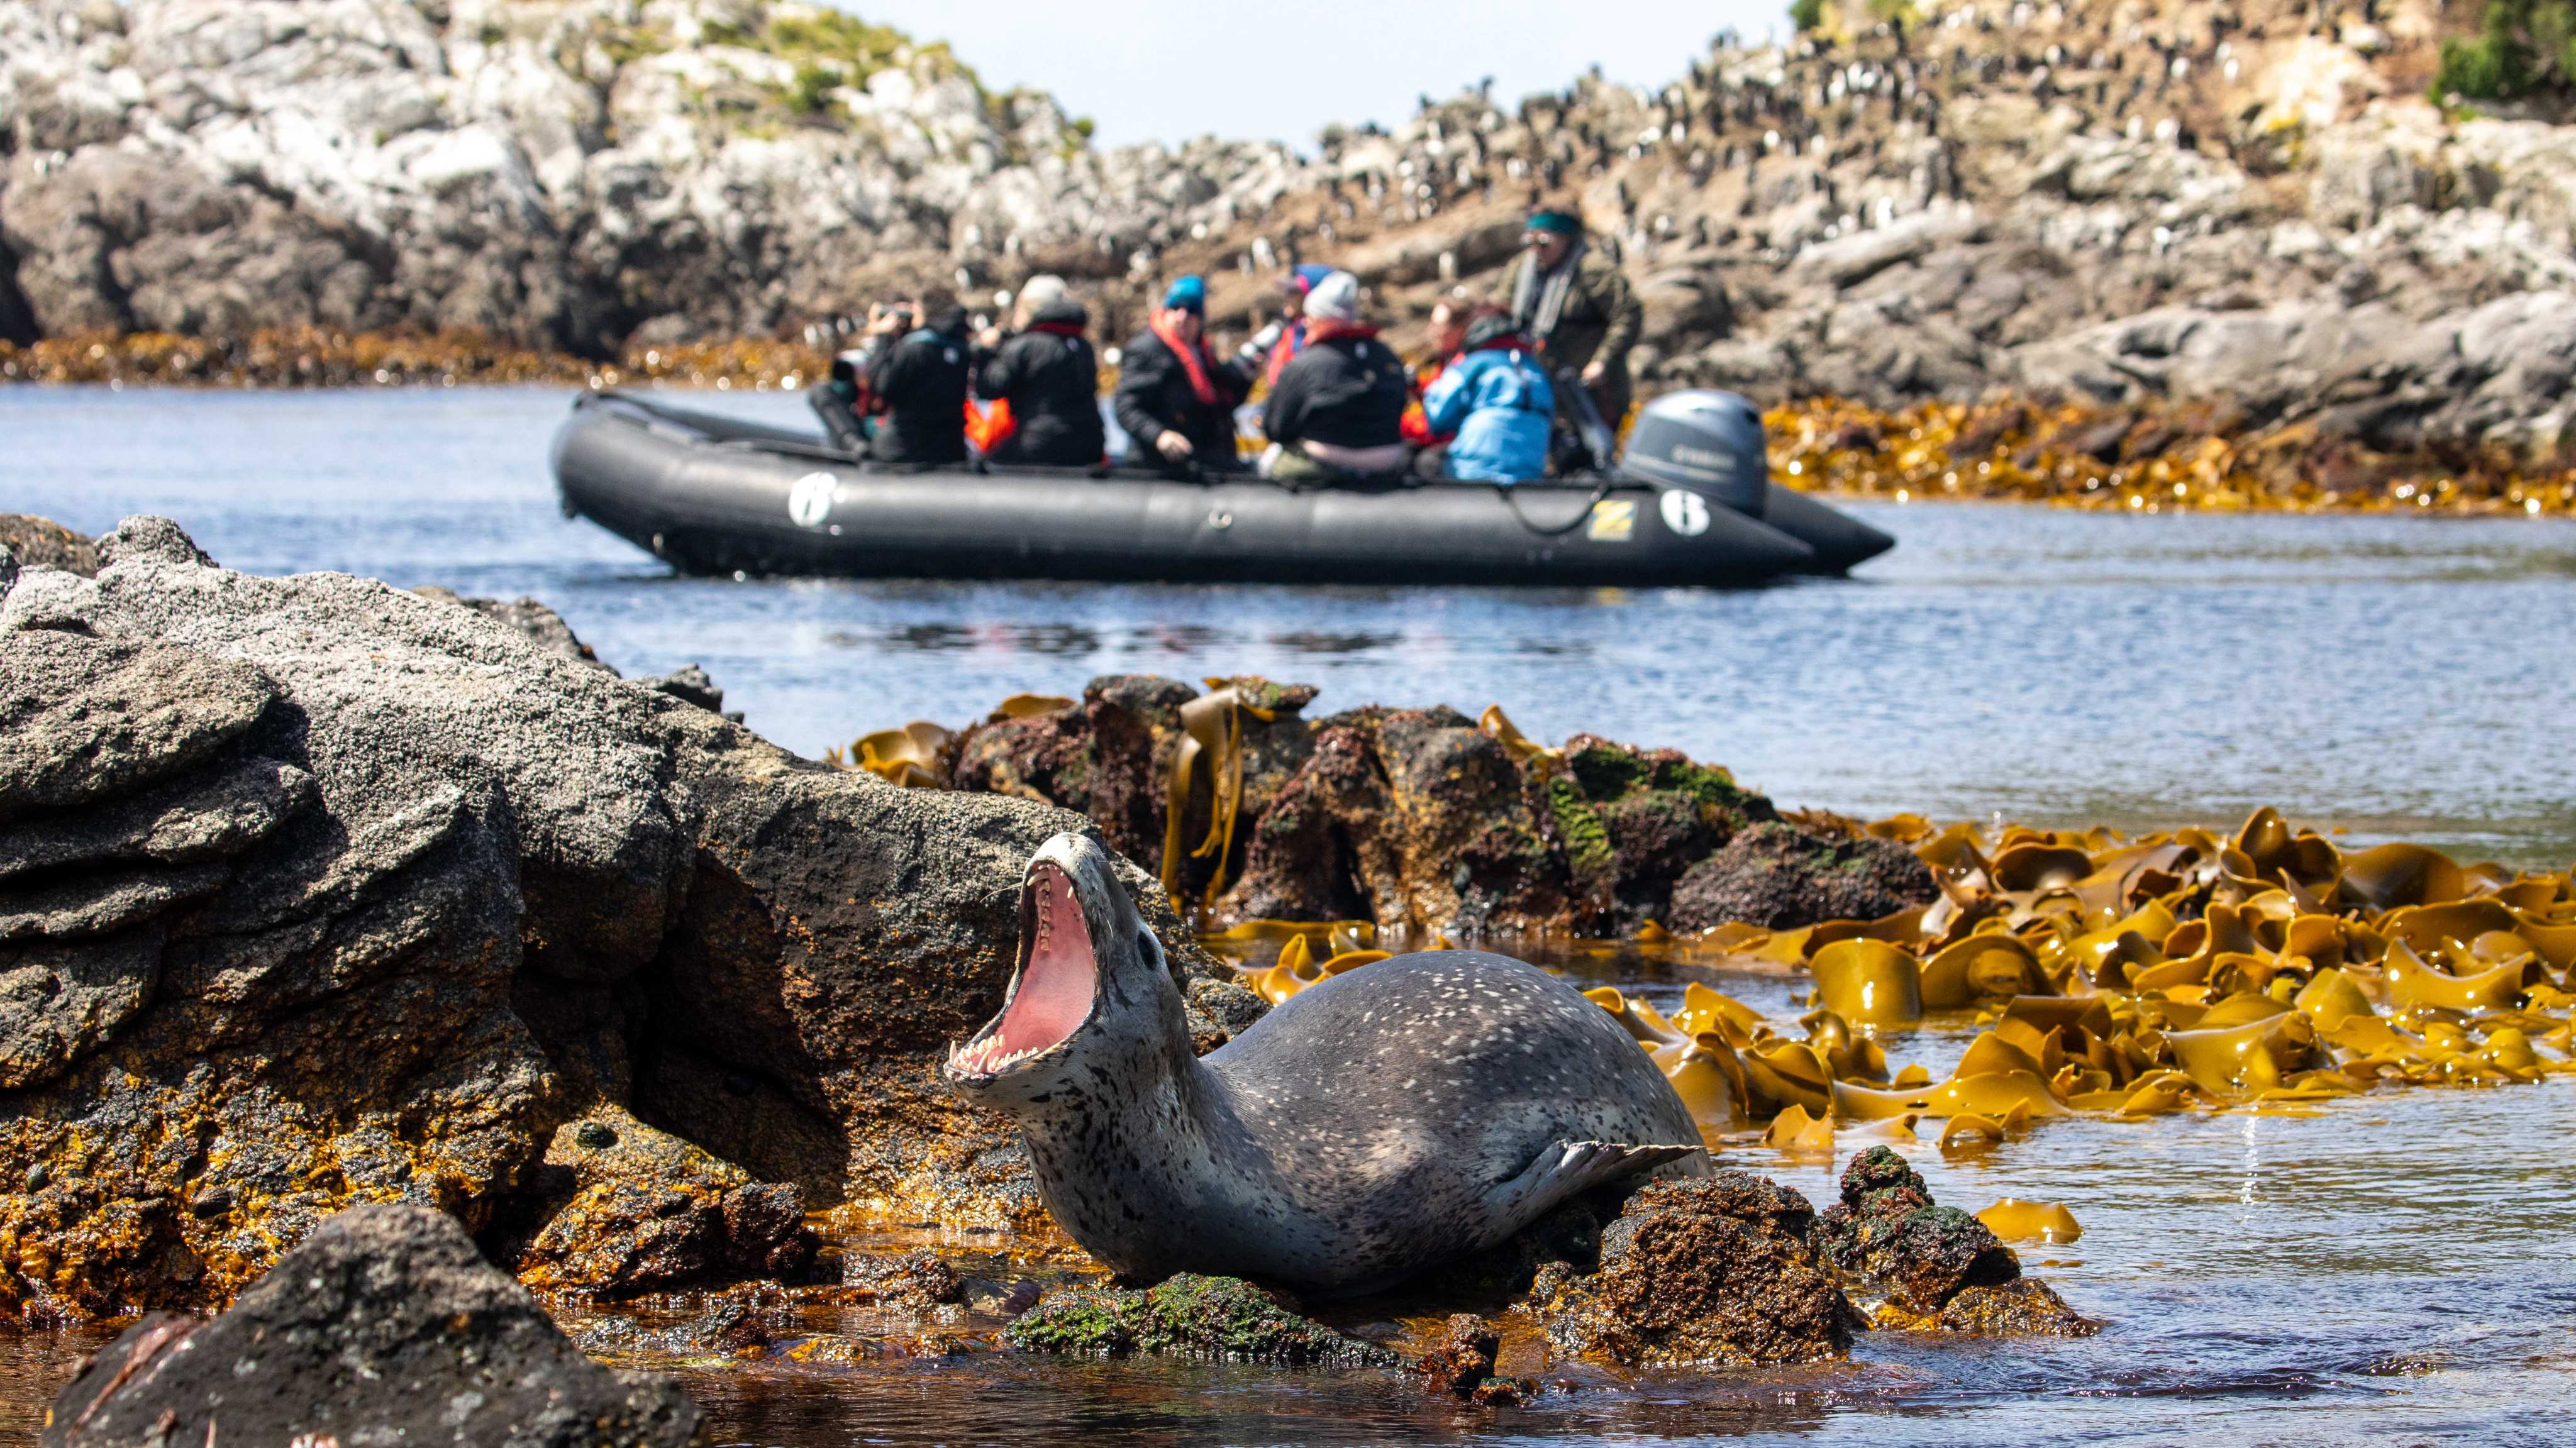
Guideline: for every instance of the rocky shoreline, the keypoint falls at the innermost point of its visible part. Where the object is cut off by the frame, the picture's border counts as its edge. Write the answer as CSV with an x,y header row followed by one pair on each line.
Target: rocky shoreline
x,y
2245,225
387,939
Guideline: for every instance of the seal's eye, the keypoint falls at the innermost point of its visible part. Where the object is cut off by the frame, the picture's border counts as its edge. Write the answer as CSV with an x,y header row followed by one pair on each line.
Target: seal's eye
x,y
1148,948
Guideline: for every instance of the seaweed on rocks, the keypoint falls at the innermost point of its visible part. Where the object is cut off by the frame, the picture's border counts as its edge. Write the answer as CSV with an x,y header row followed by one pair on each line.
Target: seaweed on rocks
x,y
1187,1315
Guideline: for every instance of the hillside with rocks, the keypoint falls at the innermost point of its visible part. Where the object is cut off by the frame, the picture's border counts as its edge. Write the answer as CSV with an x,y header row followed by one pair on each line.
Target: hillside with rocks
x,y
2254,208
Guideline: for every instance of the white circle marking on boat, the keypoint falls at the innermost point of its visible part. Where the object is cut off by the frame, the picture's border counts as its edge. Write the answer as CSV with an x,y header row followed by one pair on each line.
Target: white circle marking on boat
x,y
809,499
1685,512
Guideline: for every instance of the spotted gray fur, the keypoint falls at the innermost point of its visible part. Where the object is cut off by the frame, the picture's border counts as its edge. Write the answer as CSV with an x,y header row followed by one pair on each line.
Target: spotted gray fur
x,y
1375,1124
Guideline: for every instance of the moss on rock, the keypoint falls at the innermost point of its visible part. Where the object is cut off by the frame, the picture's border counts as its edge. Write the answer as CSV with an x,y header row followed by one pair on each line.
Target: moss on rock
x,y
1223,1318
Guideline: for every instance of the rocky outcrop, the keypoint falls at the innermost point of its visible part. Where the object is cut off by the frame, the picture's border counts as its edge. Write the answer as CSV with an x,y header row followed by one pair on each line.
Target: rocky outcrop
x,y
1778,877
384,1326
316,892
1709,1271
625,1209
1419,820
1188,1315
2135,206
1915,1264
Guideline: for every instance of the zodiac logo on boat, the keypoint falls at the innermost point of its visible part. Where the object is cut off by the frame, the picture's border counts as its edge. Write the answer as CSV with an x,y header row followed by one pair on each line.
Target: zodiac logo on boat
x,y
1685,512
809,499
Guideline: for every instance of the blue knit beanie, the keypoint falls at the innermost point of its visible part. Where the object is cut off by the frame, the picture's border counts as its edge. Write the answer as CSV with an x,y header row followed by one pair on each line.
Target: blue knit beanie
x,y
1189,294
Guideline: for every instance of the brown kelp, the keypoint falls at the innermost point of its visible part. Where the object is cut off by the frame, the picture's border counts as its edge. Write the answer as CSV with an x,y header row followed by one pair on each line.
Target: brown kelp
x,y
2182,458
2117,976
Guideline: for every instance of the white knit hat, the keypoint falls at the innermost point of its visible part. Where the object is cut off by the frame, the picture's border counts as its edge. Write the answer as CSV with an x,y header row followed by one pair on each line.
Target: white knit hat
x,y
1335,299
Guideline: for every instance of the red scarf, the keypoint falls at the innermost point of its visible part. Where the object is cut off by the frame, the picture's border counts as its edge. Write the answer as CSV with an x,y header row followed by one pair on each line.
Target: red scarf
x,y
1059,329
1194,360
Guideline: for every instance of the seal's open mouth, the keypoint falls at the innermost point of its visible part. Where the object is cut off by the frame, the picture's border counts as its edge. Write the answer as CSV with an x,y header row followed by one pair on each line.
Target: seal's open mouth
x,y
1052,995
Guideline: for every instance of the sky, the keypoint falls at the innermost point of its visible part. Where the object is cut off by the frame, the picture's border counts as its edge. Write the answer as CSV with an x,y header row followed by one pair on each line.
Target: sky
x,y
1167,70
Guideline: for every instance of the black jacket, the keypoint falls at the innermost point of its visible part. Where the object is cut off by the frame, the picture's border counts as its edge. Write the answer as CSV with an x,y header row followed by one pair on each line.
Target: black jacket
x,y
920,381
1052,382
1154,397
1349,391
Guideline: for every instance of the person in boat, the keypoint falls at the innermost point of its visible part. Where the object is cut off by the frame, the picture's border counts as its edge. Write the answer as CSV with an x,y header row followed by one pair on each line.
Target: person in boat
x,y
1448,339
1046,374
1573,302
1280,341
1174,399
1338,409
1497,401
919,379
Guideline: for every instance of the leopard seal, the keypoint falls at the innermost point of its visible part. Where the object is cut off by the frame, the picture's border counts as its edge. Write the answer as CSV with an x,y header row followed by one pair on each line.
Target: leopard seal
x,y
1376,1124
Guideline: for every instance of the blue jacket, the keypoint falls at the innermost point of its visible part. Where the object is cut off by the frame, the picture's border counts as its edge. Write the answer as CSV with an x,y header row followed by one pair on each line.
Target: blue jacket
x,y
1498,401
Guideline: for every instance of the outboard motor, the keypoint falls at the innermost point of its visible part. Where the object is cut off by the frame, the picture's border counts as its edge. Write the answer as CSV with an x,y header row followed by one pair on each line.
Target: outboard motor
x,y
1709,443
837,400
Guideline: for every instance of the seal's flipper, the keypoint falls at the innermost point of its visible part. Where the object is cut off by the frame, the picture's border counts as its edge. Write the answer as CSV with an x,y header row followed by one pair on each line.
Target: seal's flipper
x,y
1566,1169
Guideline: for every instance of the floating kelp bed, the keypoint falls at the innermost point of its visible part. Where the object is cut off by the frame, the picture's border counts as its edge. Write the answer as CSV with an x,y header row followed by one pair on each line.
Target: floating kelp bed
x,y
2268,969
2121,977
2184,458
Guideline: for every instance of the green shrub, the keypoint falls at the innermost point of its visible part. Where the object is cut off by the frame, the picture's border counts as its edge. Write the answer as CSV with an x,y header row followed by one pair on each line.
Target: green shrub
x,y
1806,14
2522,46
812,89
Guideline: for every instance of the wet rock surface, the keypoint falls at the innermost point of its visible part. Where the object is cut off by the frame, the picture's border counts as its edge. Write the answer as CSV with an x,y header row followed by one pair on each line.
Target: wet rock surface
x,y
1779,877
1916,1264
629,1209
1713,1271
1190,1316
316,892
385,1326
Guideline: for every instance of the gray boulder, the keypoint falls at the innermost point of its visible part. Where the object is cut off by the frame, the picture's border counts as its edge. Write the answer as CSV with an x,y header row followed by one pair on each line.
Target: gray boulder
x,y
384,1327
315,891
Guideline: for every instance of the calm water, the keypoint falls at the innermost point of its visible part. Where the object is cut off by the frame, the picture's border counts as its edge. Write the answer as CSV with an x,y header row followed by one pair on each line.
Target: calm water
x,y
2390,1269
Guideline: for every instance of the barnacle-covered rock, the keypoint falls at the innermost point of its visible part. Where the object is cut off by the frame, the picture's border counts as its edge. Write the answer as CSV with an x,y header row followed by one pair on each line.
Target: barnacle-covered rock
x,y
1918,1264
1716,1270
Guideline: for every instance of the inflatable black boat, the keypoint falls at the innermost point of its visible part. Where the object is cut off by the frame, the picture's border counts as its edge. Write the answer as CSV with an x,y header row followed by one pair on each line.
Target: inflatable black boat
x,y
1691,504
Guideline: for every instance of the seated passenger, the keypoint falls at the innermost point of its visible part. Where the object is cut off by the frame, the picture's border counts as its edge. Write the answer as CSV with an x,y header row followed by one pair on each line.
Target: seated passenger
x,y
1339,407
1048,375
1175,400
1497,399
1280,341
919,379
1448,339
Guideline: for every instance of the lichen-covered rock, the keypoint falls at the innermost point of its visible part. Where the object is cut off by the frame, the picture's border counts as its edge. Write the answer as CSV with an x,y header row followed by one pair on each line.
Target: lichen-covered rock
x,y
383,1327
1915,1264
1716,1270
1187,1316
1779,877
631,1209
